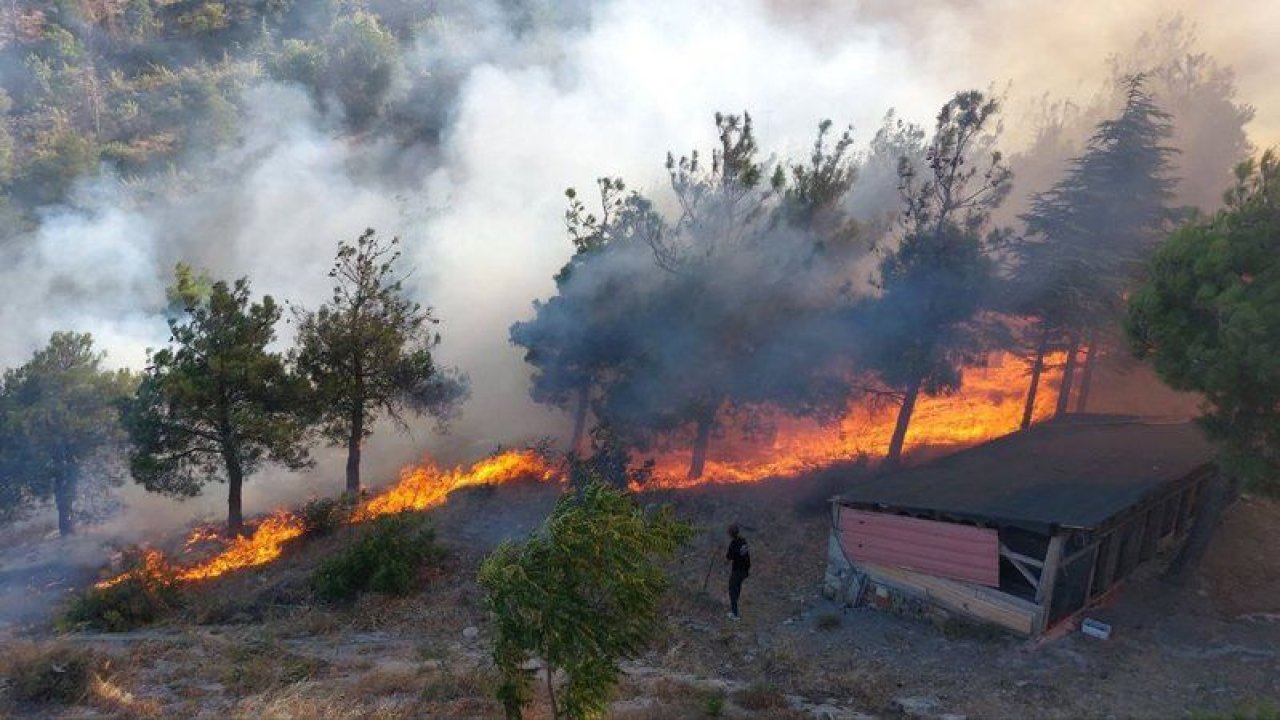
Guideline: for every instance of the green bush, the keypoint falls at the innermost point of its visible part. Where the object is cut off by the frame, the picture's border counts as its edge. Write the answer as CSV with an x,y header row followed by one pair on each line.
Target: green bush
x,y
146,590
50,674
384,559
324,515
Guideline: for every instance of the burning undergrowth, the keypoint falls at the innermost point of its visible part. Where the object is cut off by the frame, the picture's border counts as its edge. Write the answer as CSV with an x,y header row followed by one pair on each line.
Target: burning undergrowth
x,y
989,405
150,572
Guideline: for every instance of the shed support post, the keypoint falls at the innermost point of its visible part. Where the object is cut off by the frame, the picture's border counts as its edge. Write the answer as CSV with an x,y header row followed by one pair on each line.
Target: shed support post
x,y
1048,578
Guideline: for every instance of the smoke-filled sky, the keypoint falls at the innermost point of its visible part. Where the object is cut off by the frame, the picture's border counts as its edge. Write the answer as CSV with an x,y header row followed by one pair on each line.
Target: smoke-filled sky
x,y
611,93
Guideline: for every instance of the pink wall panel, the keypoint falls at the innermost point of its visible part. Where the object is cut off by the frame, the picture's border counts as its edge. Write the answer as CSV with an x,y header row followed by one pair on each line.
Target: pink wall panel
x,y
959,552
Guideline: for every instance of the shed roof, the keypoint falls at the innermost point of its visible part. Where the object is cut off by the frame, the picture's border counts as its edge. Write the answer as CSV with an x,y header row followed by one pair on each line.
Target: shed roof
x,y
1074,473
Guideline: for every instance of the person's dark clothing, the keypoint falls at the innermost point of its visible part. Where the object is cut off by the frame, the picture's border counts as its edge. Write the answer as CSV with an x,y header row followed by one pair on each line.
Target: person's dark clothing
x,y
740,557
735,590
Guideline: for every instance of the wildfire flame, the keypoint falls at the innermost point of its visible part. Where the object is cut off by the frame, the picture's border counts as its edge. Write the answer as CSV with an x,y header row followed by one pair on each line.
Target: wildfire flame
x,y
419,488
989,404
265,544
427,486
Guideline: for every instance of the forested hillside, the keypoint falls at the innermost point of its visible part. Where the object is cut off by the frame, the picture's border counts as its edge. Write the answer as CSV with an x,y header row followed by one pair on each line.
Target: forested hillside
x,y
135,86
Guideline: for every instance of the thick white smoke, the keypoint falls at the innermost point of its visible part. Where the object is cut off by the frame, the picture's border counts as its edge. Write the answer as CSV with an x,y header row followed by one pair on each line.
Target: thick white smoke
x,y
481,213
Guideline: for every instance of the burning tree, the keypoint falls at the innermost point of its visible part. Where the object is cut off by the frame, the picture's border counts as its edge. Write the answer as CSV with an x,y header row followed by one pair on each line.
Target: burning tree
x,y
748,265
926,324
582,335
216,403
57,419
1090,234
368,351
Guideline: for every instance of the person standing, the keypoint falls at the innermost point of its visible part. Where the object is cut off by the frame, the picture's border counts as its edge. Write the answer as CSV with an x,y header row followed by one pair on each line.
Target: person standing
x,y
739,557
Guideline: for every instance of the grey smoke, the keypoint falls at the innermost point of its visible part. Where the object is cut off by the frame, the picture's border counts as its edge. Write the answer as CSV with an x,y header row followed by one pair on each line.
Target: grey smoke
x,y
521,113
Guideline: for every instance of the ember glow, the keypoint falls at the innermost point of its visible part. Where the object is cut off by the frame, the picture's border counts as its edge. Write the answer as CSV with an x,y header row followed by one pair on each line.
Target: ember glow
x,y
989,404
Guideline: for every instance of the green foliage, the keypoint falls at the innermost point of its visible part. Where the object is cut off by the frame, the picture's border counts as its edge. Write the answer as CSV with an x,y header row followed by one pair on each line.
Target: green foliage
x,y
386,558
1092,232
58,674
1208,316
925,326
580,595
216,404
609,462
363,62
368,350
208,17
713,703
322,516
58,421
145,591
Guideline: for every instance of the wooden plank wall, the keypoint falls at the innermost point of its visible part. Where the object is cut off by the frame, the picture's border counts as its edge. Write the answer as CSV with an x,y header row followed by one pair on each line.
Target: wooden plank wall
x,y
949,550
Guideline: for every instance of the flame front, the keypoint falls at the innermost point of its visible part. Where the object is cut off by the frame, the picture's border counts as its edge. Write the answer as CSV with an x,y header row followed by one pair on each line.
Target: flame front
x,y
259,548
419,488
989,404
426,486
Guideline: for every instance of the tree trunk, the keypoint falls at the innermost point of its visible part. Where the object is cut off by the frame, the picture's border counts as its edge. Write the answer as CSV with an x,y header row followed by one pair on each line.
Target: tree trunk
x,y
1086,376
235,482
699,461
1068,374
551,688
64,497
900,429
1217,494
1037,368
353,451
580,419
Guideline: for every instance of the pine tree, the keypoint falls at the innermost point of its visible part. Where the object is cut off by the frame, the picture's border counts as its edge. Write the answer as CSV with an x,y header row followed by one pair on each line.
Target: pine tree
x,y
368,351
925,324
1089,236
217,403
57,420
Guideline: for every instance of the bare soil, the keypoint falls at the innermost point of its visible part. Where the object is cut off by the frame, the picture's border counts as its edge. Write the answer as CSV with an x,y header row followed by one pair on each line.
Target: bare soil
x,y
257,646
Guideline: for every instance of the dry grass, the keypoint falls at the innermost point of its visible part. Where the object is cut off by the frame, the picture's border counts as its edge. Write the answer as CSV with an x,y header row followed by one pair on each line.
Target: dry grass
x,y
392,677
49,674
263,665
760,696
57,673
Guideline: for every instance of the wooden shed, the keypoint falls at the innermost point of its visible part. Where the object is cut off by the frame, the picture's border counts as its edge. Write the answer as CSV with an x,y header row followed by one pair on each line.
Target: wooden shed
x,y
1024,531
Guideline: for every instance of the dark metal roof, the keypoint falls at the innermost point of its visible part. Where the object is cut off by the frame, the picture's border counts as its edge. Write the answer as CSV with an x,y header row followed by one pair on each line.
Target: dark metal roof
x,y
1075,473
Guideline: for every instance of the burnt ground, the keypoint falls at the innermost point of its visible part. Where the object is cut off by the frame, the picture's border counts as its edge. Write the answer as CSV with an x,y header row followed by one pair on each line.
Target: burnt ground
x,y
256,645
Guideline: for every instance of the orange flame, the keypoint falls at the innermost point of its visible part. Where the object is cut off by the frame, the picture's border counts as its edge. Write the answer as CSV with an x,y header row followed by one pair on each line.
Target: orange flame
x,y
153,563
427,486
264,545
988,405
419,488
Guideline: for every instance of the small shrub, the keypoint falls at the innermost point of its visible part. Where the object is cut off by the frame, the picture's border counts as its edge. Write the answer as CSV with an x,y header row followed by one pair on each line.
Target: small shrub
x,y
322,516
713,704
145,591
385,559
828,621
50,674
